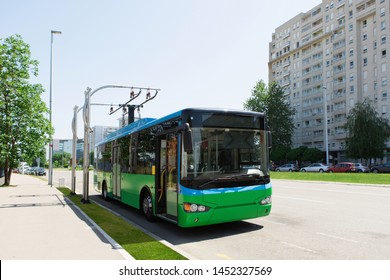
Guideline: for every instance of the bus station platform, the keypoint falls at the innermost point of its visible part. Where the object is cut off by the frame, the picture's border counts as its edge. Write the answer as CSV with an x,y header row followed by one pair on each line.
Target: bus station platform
x,y
37,223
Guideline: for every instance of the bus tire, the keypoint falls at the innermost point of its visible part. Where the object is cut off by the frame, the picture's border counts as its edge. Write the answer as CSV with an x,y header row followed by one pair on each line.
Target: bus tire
x,y
147,206
104,191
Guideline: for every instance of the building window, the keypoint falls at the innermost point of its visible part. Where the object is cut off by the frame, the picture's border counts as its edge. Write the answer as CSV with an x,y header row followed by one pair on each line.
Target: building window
x,y
383,25
383,53
383,12
365,88
384,67
383,39
364,23
365,61
365,37
384,81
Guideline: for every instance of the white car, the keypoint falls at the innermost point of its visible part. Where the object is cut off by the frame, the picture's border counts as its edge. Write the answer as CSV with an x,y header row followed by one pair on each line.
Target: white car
x,y
315,167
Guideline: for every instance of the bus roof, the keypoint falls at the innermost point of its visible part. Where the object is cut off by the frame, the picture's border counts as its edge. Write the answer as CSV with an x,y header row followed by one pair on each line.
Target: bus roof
x,y
148,122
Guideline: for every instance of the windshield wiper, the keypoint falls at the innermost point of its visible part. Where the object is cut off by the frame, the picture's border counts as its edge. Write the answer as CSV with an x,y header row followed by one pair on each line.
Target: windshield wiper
x,y
226,179
236,178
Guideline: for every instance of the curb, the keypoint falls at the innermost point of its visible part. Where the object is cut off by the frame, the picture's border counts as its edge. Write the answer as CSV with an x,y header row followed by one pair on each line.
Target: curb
x,y
166,243
113,243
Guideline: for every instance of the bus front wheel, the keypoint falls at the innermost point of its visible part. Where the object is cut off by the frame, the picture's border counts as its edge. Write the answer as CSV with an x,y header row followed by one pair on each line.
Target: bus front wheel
x,y
147,206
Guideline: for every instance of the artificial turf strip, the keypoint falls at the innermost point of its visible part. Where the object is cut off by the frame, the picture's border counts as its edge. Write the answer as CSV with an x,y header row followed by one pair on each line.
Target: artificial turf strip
x,y
137,243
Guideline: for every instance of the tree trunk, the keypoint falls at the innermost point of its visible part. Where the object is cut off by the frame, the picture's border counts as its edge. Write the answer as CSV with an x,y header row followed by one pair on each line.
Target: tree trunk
x,y
7,173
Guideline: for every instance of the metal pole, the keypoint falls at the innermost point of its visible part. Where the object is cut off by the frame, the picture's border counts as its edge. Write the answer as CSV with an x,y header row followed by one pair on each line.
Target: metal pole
x,y
86,117
74,148
50,175
326,126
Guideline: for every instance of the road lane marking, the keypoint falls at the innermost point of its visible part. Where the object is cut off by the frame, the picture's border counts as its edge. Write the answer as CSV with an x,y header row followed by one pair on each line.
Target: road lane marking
x,y
225,257
299,247
307,200
338,237
272,222
309,188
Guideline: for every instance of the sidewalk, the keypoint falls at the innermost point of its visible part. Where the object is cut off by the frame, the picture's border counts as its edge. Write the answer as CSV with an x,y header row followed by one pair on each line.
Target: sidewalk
x,y
36,223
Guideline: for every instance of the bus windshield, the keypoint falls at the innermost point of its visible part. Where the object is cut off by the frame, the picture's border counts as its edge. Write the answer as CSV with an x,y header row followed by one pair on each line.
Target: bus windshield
x,y
225,157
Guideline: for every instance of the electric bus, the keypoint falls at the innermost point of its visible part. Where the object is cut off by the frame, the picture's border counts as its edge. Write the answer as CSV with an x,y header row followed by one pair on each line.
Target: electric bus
x,y
195,167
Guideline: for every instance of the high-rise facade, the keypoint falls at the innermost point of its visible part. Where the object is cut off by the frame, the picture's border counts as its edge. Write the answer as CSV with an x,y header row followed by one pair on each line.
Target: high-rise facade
x,y
332,57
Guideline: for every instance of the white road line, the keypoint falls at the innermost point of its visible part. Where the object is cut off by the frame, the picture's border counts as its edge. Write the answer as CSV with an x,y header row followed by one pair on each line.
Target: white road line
x,y
272,222
338,237
299,247
333,191
307,200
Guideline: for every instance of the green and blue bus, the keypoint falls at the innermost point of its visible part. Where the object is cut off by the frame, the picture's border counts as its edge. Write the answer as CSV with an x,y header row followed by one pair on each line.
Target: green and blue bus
x,y
194,167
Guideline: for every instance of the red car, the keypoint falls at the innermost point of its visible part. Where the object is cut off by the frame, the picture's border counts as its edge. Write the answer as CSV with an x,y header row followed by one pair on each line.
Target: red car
x,y
343,167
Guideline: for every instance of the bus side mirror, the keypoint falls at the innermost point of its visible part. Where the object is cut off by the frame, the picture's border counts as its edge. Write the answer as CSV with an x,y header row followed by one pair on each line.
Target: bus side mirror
x,y
187,138
269,139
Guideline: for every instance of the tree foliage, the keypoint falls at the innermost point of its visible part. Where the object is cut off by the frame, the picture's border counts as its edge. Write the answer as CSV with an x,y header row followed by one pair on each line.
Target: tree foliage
x,y
271,101
367,132
24,128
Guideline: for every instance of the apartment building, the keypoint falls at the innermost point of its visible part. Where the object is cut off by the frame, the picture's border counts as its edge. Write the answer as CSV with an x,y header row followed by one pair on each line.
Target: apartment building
x,y
330,58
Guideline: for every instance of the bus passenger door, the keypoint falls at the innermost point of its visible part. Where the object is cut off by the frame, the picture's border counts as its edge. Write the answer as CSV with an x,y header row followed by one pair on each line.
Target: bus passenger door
x,y
167,177
116,172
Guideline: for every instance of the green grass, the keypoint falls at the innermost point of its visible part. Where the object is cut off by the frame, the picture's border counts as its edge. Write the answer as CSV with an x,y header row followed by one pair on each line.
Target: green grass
x,y
137,243
357,178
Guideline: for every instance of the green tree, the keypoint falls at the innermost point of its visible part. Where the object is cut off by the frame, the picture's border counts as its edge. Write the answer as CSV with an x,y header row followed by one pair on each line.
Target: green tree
x,y
297,154
271,101
367,132
24,128
61,159
312,155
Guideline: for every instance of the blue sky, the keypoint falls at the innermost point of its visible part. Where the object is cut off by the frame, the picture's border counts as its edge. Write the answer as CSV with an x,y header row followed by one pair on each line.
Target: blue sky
x,y
199,53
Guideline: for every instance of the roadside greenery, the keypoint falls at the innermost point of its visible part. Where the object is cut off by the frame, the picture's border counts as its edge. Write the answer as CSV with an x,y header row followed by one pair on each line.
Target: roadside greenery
x,y
137,243
367,132
269,99
353,178
25,130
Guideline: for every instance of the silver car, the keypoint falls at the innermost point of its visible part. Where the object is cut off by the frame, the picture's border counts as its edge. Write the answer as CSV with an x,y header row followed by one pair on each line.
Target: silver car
x,y
287,167
361,168
315,167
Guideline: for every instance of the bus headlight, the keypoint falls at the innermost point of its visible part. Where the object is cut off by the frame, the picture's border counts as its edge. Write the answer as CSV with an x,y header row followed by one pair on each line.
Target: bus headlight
x,y
267,200
193,208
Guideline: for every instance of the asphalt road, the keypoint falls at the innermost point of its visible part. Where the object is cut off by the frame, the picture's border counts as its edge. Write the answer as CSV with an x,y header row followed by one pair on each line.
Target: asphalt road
x,y
309,220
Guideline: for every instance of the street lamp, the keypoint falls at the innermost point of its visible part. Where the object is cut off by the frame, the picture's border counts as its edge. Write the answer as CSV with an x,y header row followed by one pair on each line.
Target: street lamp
x,y
326,126
50,104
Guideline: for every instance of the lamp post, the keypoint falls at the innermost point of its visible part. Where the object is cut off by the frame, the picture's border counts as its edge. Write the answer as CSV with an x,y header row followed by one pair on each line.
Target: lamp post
x,y
50,112
326,126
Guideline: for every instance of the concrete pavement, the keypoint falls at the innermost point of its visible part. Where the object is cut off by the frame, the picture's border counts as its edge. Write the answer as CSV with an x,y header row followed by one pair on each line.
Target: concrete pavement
x,y
37,223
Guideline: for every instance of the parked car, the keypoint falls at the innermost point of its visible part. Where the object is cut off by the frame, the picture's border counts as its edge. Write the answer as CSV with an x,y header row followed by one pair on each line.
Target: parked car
x,y
287,167
342,167
381,168
361,168
315,167
30,171
40,171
